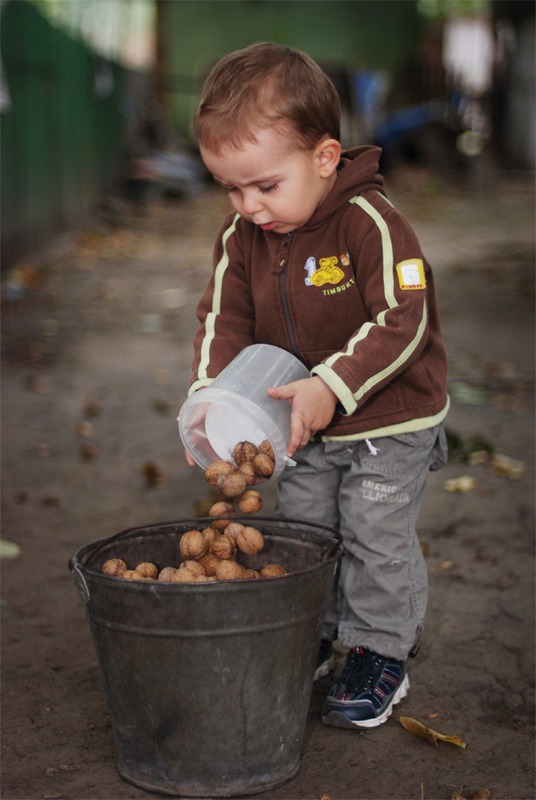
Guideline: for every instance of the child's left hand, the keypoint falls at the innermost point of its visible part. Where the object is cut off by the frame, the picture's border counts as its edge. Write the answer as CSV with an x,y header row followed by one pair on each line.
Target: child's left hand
x,y
313,405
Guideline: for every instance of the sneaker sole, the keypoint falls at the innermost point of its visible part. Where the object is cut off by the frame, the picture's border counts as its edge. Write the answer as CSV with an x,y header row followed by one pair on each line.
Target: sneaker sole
x,y
338,719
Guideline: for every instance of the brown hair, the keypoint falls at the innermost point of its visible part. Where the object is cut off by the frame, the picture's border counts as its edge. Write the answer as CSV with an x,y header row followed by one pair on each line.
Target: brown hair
x,y
266,85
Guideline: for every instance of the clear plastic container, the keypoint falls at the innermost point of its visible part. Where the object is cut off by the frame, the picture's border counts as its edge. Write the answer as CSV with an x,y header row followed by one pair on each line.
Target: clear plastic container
x,y
236,408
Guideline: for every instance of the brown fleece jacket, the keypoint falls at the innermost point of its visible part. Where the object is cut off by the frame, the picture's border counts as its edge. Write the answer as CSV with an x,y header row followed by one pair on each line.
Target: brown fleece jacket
x,y
350,294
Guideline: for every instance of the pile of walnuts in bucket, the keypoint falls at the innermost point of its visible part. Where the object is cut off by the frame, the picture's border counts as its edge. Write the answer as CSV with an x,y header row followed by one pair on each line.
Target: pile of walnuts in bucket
x,y
210,554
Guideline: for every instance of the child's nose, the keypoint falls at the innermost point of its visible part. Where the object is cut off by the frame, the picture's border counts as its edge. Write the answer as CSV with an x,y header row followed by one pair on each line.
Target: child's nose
x,y
251,203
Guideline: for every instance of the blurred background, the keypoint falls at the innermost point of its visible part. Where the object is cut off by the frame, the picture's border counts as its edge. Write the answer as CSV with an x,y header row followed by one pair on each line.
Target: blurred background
x,y
97,96
108,221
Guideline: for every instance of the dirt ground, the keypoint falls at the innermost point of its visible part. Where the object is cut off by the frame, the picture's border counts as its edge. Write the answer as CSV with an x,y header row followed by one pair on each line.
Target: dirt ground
x,y
96,350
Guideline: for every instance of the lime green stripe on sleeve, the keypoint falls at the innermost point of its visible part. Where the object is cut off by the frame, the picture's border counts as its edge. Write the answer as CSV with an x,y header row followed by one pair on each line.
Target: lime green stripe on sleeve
x,y
387,271
391,302
210,321
402,358
387,248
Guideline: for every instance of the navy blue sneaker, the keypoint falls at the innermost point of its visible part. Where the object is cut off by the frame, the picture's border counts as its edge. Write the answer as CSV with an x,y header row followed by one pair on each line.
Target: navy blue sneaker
x,y
368,688
326,659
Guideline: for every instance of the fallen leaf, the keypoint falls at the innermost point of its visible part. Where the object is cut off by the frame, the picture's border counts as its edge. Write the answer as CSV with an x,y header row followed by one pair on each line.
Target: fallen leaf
x,y
469,394
88,452
84,428
464,483
422,731
9,549
51,500
92,409
502,464
478,457
161,406
152,473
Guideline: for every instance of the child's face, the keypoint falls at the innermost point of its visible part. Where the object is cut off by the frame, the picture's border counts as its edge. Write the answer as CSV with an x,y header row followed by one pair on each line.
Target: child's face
x,y
273,184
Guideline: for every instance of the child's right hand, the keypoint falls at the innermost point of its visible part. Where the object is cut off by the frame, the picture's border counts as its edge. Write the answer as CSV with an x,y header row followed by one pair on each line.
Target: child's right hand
x,y
313,405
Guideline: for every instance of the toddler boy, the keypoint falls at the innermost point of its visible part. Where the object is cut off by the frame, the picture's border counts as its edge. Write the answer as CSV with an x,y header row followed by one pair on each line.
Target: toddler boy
x,y
315,259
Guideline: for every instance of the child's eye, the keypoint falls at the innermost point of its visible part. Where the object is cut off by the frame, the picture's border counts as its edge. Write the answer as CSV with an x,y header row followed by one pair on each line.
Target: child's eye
x,y
268,189
229,189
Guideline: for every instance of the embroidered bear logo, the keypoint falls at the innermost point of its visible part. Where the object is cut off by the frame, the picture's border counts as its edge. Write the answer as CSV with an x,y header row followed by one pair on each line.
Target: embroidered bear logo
x,y
328,271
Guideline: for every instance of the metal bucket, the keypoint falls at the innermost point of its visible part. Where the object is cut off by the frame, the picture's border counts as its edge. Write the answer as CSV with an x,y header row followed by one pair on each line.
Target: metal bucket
x,y
208,684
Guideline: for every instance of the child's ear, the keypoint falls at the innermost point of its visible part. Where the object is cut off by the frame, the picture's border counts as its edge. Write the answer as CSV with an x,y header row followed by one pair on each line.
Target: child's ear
x,y
328,154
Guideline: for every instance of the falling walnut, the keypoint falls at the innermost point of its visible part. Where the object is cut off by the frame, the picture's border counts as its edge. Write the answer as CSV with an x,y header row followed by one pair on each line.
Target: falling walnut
x,y
250,502
247,467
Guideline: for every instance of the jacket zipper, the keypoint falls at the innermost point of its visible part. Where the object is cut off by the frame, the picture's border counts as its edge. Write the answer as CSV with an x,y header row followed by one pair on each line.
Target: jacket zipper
x,y
283,294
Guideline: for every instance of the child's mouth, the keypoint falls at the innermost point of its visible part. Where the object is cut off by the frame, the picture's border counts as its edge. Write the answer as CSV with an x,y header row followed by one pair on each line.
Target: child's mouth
x,y
268,226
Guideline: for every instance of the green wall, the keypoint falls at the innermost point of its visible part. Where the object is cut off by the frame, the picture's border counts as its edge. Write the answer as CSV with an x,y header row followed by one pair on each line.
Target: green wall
x,y
60,141
340,34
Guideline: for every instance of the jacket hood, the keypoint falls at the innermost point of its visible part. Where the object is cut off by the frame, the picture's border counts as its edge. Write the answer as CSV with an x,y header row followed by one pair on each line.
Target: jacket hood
x,y
358,171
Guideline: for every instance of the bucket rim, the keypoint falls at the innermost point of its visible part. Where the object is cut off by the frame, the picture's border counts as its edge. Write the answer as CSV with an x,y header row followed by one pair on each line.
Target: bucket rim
x,y
89,550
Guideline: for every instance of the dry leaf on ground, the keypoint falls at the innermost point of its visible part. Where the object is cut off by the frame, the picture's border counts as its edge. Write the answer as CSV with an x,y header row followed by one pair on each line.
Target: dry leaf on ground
x,y
9,549
418,729
464,483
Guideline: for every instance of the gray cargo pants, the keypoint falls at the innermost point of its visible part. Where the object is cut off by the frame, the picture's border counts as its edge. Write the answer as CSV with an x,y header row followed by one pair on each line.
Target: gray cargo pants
x,y
372,493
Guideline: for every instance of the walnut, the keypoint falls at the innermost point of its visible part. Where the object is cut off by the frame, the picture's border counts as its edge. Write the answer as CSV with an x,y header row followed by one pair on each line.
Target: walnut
x,y
232,486
217,470
272,571
250,540
229,571
244,451
132,575
266,448
148,570
210,534
263,465
166,574
233,529
252,574
248,471
209,563
223,547
114,566
220,509
250,502
183,576
195,567
193,545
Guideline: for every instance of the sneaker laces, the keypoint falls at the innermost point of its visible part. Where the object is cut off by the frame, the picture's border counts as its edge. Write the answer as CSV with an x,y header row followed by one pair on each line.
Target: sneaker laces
x,y
360,669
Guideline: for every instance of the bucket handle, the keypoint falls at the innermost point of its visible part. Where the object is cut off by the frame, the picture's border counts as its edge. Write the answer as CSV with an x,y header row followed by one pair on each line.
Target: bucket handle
x,y
79,580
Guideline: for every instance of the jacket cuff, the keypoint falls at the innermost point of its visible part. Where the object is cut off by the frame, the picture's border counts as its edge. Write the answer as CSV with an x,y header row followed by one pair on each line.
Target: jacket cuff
x,y
201,384
347,404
